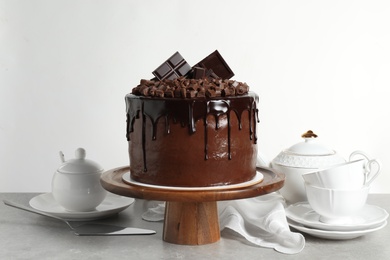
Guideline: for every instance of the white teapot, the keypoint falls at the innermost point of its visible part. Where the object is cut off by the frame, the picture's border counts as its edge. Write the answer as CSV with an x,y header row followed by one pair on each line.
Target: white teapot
x,y
76,184
301,158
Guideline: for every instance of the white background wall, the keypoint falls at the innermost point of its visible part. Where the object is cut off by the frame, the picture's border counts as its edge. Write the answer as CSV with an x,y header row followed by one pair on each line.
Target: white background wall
x,y
66,65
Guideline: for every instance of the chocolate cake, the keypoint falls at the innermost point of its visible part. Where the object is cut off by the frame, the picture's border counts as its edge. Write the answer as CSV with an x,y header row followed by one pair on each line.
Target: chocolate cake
x,y
191,128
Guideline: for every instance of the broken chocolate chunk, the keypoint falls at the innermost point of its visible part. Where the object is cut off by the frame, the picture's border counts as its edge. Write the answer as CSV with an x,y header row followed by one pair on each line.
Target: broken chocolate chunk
x,y
217,65
198,73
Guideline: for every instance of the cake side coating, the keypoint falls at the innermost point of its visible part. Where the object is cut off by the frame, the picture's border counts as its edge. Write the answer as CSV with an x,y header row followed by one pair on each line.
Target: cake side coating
x,y
192,141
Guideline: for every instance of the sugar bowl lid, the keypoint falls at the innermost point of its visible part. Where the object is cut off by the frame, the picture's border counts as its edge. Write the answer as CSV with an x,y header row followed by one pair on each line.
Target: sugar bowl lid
x,y
308,154
79,165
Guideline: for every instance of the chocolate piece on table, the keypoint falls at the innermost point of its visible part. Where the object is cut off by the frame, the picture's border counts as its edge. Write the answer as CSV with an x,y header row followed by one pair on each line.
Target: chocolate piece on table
x,y
217,64
174,67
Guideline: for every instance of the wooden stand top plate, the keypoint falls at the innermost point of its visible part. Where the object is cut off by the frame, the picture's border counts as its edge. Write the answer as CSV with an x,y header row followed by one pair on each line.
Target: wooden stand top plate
x,y
112,181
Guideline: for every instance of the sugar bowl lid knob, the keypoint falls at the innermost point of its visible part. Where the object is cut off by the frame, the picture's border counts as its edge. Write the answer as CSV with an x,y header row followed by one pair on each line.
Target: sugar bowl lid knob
x,y
80,153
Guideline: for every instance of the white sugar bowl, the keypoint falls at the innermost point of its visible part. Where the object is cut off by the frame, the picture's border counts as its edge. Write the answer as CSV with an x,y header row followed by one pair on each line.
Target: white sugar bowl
x,y
76,183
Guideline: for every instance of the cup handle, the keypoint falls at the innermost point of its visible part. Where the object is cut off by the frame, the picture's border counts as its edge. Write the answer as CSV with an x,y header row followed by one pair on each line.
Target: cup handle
x,y
360,154
369,176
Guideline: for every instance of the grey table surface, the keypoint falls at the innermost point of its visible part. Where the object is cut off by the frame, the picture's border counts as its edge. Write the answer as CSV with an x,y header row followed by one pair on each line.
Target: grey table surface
x,y
24,235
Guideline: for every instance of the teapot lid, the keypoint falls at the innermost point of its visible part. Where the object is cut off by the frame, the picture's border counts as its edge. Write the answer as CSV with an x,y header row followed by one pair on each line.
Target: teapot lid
x,y
308,154
310,146
79,165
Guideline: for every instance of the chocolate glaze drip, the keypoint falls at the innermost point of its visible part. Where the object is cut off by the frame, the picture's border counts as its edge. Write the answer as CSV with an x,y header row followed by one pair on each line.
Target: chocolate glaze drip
x,y
187,112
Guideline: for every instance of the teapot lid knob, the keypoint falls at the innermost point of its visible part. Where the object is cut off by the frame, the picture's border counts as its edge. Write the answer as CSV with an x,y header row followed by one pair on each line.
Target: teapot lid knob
x,y
80,153
309,134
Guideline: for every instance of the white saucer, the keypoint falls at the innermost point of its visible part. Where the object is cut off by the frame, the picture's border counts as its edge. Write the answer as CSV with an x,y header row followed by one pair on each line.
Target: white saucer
x,y
258,178
370,216
336,235
111,205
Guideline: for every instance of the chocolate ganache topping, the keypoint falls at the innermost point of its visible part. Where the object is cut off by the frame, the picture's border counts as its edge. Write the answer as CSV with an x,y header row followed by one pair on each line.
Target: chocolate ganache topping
x,y
186,101
183,87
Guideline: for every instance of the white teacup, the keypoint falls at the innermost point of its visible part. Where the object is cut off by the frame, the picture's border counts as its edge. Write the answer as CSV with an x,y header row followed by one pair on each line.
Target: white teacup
x,y
350,175
336,206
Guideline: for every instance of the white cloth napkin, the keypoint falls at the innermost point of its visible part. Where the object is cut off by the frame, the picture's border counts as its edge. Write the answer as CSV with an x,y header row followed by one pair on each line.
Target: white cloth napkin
x,y
260,220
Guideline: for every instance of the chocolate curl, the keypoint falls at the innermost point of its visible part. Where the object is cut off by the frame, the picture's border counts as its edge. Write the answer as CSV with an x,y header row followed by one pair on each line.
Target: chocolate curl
x,y
241,89
144,82
185,84
192,86
183,92
168,83
235,84
228,92
144,90
210,92
191,93
210,85
222,84
152,91
201,93
218,91
136,91
159,93
246,88
177,93
169,93
162,87
176,84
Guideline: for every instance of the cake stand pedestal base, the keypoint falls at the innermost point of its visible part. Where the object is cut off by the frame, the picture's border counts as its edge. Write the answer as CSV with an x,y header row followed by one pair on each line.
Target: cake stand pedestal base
x,y
191,223
191,216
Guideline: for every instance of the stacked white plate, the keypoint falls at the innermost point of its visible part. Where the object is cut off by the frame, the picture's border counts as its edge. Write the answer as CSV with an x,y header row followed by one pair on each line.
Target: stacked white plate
x,y
302,217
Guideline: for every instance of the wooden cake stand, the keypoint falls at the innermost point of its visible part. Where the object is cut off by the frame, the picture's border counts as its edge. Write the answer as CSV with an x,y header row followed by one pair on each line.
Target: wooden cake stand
x,y
191,215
